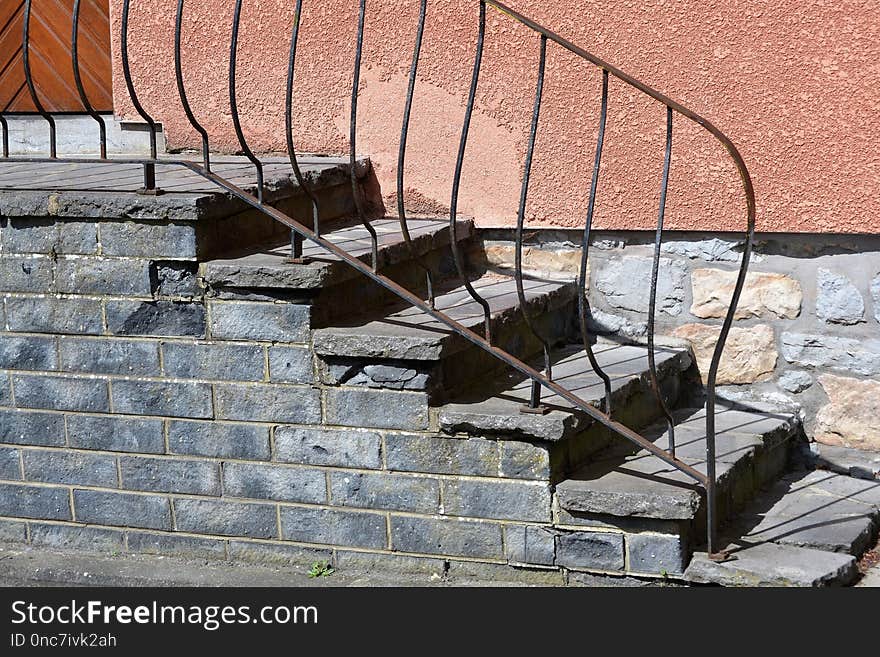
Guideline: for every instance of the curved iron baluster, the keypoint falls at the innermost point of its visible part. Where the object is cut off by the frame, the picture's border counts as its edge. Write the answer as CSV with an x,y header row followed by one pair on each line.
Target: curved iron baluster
x,y
652,304
711,492
401,156
749,191
355,89
707,480
29,80
77,78
181,89
149,168
534,404
457,256
126,72
295,238
583,302
233,101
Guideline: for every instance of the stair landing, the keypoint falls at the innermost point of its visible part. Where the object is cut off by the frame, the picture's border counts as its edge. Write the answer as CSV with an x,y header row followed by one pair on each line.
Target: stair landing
x,y
805,530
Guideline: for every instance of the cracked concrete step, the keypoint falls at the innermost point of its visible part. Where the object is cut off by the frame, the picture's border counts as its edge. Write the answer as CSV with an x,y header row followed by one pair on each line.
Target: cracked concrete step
x,y
266,268
496,410
769,564
751,449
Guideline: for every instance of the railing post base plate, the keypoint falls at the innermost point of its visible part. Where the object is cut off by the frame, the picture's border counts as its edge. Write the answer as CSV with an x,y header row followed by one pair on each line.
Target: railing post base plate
x,y
302,260
143,191
534,410
721,557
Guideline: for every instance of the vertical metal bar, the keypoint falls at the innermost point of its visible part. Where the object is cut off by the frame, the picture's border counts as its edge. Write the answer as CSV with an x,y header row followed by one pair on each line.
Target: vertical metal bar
x,y
149,168
233,101
77,78
181,88
583,302
711,493
457,256
652,305
296,239
355,89
28,78
5,135
535,400
401,157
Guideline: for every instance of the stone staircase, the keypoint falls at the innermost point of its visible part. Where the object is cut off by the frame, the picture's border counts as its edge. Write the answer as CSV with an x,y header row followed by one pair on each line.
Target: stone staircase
x,y
615,509
356,384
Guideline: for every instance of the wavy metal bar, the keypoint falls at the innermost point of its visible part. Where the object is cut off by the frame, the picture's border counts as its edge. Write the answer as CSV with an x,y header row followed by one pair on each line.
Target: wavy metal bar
x,y
296,238
355,89
401,156
535,398
583,302
28,78
655,270
711,493
77,78
149,168
707,480
233,101
457,256
749,191
181,88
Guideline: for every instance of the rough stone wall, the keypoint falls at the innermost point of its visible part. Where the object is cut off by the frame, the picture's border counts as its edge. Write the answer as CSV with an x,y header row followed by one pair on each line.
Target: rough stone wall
x,y
807,328
139,413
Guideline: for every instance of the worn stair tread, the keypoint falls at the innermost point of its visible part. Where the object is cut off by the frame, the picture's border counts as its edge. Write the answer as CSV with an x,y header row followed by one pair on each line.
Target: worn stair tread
x,y
412,334
626,365
268,267
644,486
769,564
820,510
846,460
110,190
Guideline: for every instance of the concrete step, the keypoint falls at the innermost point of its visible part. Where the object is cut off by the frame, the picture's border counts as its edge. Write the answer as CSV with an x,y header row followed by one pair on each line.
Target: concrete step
x,y
267,267
858,463
409,339
768,564
108,191
807,529
495,408
636,491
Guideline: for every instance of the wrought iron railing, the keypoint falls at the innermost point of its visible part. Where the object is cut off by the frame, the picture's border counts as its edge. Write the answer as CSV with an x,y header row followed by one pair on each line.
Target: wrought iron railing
x,y
300,230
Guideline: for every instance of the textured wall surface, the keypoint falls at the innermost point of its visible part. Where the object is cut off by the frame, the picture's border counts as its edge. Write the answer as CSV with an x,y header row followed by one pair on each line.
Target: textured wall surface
x,y
793,84
142,413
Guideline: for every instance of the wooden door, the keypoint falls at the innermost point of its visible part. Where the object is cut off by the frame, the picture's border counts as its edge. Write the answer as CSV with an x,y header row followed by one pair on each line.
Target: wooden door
x,y
51,26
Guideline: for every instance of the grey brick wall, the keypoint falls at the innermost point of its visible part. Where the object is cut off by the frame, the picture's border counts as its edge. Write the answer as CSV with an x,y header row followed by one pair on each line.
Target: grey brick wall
x,y
141,414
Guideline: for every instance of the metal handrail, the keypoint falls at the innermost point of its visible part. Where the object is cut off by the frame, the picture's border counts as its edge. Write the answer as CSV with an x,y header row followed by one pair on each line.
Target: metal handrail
x,y
300,231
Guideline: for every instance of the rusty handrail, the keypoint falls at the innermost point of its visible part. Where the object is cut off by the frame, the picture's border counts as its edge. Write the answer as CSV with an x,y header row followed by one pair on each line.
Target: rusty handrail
x,y
301,231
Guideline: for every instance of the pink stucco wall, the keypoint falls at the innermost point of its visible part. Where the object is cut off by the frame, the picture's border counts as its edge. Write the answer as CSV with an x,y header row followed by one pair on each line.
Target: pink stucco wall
x,y
793,83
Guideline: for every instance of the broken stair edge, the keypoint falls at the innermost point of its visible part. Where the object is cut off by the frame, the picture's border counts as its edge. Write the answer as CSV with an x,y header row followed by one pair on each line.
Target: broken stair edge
x,y
769,564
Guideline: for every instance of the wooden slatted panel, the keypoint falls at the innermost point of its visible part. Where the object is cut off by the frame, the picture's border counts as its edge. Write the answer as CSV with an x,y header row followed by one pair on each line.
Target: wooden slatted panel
x,y
51,60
